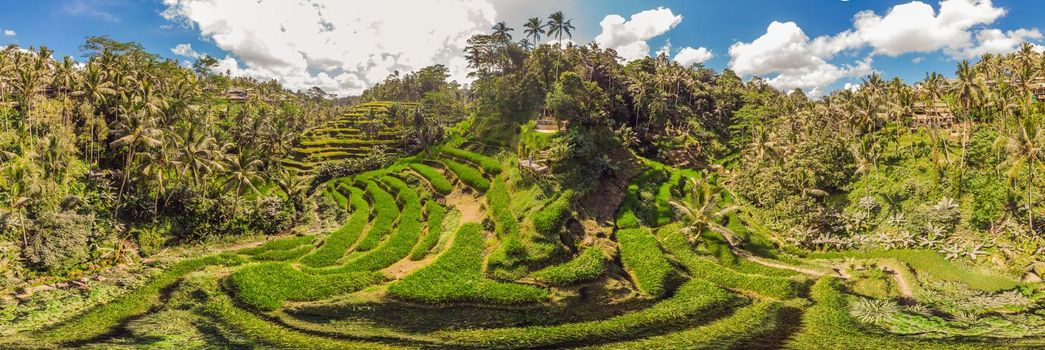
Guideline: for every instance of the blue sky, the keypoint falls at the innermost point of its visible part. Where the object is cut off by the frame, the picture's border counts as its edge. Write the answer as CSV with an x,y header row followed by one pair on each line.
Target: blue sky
x,y
344,46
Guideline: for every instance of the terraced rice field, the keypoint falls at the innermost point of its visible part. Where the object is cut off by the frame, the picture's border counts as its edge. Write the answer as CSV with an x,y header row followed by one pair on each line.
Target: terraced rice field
x,y
354,134
411,267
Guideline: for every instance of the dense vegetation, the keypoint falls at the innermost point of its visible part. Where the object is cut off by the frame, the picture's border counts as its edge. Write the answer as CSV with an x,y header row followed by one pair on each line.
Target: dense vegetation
x,y
651,205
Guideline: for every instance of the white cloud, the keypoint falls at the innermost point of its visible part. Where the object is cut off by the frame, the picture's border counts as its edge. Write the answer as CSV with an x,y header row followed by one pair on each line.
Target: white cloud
x,y
794,61
918,59
186,50
9,32
628,37
342,47
689,56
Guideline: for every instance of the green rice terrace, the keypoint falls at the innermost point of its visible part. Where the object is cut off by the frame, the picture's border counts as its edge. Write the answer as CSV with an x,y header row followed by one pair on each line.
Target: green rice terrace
x,y
353,134
455,248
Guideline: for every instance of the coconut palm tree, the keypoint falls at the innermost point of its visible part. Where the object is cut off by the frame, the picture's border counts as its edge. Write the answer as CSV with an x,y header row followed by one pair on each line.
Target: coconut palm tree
x,y
94,90
138,133
534,29
241,171
557,26
700,212
1025,146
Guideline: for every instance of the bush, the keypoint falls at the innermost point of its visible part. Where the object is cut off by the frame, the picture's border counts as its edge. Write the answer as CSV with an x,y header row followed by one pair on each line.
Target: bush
x,y
341,239
695,302
266,286
386,211
456,276
58,241
644,260
271,215
438,181
151,239
549,218
399,244
436,214
587,266
488,164
469,175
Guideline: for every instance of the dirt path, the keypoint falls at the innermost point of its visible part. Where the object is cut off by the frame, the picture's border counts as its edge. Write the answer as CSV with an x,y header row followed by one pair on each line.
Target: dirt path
x,y
466,203
807,271
902,284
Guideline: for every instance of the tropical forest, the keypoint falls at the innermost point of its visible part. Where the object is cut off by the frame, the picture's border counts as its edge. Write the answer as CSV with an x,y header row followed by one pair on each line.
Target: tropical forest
x,y
559,197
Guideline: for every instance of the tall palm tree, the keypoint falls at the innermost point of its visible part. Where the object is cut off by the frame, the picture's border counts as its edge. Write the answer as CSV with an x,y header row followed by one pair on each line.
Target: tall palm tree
x,y
196,152
700,212
967,90
557,26
137,132
241,170
93,89
501,32
534,29
1025,145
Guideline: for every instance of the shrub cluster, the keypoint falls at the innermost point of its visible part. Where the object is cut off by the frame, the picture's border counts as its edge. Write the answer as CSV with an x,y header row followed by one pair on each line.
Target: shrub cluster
x,y
341,239
644,260
550,218
457,277
436,213
266,286
385,213
438,181
488,164
469,175
588,265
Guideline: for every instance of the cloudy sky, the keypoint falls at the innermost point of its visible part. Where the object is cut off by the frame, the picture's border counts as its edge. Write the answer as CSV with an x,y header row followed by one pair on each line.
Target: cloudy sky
x,y
345,46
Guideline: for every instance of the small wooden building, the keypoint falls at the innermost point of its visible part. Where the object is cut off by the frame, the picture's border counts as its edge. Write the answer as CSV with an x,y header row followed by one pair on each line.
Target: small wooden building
x,y
936,115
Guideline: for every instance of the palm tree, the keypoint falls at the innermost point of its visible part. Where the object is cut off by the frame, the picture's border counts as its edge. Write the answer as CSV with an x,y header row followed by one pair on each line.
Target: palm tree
x,y
762,143
557,26
700,212
242,173
64,80
500,32
137,133
94,90
197,153
534,29
967,90
1025,145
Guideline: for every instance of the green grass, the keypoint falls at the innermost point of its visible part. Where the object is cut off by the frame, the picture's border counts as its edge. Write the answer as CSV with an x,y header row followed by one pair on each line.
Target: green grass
x,y
644,260
457,276
469,175
703,268
385,213
286,243
399,244
283,255
107,318
750,327
338,242
266,333
588,265
339,198
551,217
266,286
934,264
436,214
499,201
489,165
828,325
438,181
694,303
664,210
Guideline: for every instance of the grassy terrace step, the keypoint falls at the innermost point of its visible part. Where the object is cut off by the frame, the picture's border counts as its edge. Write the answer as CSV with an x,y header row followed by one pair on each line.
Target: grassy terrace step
x,y
695,302
644,260
456,276
286,243
586,266
438,181
266,286
283,255
664,210
332,141
828,325
488,164
436,213
703,268
338,242
469,175
107,318
551,217
399,244
932,263
755,326
385,213
264,332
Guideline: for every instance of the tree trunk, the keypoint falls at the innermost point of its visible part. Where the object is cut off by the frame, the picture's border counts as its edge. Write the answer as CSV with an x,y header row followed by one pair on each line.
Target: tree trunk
x,y
1030,203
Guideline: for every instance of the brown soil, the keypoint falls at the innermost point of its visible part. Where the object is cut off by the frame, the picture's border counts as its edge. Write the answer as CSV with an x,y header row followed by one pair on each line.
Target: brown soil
x,y
601,204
